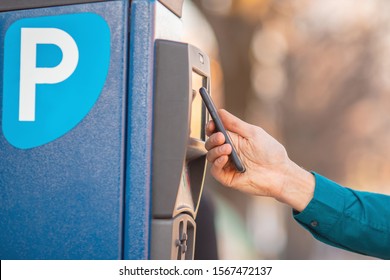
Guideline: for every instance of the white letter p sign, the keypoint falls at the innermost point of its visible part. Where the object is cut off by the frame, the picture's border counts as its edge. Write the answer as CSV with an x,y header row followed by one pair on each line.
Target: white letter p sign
x,y
55,69
31,75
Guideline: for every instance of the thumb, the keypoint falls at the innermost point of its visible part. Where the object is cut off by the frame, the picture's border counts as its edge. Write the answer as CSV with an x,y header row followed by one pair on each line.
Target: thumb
x,y
234,124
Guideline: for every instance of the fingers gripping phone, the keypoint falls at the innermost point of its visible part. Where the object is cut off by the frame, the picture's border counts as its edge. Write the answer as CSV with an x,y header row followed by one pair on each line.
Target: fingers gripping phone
x,y
219,127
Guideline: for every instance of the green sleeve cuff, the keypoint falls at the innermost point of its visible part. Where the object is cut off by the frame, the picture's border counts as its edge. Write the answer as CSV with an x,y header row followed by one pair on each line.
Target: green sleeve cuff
x,y
348,219
325,209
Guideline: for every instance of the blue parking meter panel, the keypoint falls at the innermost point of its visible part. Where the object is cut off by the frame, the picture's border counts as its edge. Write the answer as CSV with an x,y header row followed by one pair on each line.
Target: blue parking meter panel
x,y
77,90
63,81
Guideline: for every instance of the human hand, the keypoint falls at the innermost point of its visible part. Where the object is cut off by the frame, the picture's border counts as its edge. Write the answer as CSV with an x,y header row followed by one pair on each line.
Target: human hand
x,y
269,171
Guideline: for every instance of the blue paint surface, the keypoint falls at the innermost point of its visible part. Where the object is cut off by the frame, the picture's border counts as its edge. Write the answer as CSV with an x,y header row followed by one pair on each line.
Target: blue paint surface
x,y
64,200
60,106
87,194
139,132
50,61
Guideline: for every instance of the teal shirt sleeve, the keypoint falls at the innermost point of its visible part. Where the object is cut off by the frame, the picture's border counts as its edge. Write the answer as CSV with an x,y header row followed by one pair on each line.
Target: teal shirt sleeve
x,y
352,220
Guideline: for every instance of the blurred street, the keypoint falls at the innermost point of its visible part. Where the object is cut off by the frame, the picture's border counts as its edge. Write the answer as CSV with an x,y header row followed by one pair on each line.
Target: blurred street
x,y
316,76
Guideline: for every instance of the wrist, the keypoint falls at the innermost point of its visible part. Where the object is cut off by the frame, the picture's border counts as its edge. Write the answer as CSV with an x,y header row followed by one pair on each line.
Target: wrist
x,y
297,189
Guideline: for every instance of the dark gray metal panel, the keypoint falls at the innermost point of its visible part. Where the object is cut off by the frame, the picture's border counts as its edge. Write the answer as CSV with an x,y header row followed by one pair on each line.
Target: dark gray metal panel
x,y
11,5
176,6
171,123
176,156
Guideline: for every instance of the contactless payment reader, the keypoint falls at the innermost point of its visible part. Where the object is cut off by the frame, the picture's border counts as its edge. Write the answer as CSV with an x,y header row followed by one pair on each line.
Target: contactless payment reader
x,y
179,155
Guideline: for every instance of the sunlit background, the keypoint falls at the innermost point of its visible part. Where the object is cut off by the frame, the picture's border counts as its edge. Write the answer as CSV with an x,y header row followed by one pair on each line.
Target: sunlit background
x,y
316,75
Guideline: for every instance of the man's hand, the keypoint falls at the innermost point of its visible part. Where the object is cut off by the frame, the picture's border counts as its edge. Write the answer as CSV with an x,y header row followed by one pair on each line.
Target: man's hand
x,y
269,171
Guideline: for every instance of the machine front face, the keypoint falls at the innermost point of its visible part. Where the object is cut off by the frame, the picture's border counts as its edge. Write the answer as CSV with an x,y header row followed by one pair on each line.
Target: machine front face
x,y
62,146
78,186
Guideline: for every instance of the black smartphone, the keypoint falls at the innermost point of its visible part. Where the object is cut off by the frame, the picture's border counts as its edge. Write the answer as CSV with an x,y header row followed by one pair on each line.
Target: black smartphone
x,y
219,127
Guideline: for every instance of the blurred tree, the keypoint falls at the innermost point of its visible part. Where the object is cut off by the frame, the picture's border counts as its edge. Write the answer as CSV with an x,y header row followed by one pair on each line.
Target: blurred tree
x,y
234,35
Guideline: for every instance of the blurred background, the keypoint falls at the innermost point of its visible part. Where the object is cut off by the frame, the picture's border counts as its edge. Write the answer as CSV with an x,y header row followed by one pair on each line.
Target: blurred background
x,y
316,75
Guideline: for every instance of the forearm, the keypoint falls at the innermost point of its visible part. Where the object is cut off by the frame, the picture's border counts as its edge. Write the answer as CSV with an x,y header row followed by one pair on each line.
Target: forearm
x,y
298,187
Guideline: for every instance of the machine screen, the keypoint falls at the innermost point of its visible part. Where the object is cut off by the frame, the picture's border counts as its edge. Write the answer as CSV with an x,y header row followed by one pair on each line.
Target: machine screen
x,y
197,109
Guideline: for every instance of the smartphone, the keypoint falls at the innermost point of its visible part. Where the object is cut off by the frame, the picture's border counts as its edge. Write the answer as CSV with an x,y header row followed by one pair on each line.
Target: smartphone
x,y
219,127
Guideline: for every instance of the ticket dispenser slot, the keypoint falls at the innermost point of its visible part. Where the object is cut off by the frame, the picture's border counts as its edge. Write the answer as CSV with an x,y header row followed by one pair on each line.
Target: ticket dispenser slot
x,y
179,155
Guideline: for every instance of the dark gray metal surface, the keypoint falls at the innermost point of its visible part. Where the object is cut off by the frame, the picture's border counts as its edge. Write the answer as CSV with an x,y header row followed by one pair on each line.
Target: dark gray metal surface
x,y
11,5
173,239
172,149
